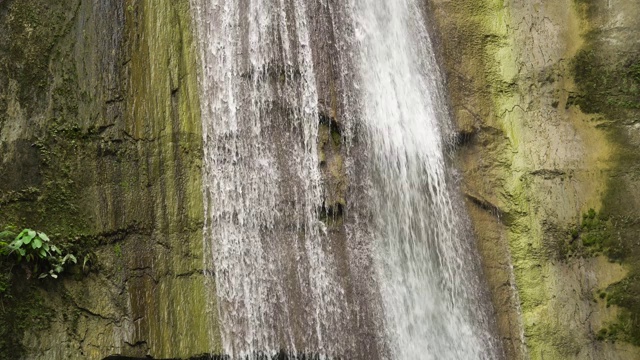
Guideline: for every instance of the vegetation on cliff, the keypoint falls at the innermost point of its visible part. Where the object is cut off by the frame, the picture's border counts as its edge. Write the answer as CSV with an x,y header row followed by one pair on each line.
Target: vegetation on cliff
x,y
609,87
102,154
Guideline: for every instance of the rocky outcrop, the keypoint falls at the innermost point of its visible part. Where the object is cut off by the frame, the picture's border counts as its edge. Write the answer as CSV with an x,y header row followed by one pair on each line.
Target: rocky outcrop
x,y
546,96
100,147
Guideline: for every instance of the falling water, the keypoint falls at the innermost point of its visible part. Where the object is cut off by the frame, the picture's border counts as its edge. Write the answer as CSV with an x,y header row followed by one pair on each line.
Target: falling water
x,y
396,277
429,283
276,285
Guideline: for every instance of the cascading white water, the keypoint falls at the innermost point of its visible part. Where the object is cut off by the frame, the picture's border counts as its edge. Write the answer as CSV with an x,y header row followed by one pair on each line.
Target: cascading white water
x,y
278,279
276,286
429,283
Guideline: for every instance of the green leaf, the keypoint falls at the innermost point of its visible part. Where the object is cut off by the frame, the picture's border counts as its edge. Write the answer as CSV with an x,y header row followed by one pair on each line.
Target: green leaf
x,y
84,262
43,275
16,244
37,243
43,236
22,252
43,253
30,235
69,257
55,249
54,276
45,246
22,234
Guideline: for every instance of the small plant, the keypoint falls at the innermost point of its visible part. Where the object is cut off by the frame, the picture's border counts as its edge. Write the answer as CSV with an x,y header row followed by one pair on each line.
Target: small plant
x,y
117,250
36,247
39,245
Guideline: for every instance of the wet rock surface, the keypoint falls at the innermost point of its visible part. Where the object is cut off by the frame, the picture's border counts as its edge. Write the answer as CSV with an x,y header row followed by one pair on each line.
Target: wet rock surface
x,y
100,142
551,148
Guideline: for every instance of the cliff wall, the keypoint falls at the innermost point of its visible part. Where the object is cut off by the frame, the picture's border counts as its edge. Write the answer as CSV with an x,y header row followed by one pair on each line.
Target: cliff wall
x,y
100,148
546,98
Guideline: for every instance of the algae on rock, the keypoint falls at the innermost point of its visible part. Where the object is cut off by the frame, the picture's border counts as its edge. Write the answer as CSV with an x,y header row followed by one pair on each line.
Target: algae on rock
x,y
538,159
100,147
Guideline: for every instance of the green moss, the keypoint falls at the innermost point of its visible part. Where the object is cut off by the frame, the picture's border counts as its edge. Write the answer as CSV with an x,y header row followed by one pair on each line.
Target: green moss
x,y
594,235
625,226
594,232
33,29
634,71
30,34
73,161
57,210
618,330
614,331
608,87
587,7
626,294
29,30
117,250
620,206
22,309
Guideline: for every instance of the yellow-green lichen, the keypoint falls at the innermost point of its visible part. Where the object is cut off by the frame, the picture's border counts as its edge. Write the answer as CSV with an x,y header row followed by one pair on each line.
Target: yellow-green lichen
x,y
113,154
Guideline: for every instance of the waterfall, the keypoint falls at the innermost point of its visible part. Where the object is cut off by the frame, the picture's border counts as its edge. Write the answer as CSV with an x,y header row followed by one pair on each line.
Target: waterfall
x,y
386,272
429,283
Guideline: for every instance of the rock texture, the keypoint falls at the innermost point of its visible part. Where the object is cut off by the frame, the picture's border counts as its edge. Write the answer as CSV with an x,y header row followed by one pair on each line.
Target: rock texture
x,y
100,147
545,95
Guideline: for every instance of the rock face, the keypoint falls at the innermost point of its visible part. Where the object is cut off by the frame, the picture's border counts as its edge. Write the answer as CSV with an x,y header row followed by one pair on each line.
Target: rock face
x,y
546,96
100,147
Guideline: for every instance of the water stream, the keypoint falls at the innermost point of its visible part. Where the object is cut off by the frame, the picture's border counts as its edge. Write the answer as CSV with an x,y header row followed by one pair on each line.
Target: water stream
x,y
429,282
386,272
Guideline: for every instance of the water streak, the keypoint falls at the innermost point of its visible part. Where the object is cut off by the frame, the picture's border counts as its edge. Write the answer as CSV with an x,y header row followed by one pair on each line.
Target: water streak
x,y
276,286
429,280
396,277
